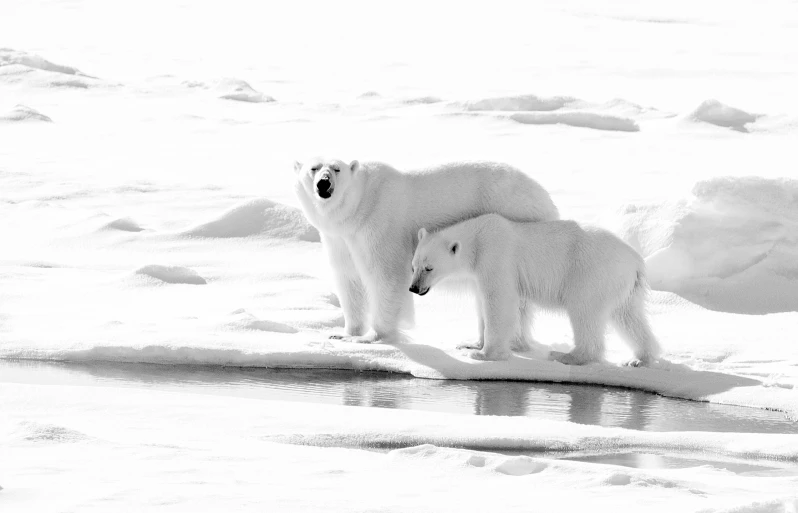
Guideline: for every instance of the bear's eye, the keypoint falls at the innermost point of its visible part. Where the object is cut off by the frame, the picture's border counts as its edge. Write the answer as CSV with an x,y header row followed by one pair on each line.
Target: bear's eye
x,y
428,269
315,168
336,169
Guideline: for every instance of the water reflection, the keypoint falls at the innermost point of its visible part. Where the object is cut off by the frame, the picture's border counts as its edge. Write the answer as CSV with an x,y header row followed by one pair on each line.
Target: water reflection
x,y
582,404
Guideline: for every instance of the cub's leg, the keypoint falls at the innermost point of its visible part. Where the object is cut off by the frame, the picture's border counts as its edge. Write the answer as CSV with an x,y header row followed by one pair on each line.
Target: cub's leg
x,y
500,307
523,340
479,343
348,285
589,328
631,322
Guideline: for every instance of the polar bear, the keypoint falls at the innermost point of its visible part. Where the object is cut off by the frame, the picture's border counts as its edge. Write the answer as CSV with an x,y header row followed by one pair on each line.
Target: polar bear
x,y
368,215
590,273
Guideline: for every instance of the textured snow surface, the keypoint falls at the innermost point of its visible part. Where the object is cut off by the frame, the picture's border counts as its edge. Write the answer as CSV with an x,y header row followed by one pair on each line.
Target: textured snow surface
x,y
148,450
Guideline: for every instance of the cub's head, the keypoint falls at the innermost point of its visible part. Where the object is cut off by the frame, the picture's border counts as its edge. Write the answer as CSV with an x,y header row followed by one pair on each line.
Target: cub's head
x,y
436,257
325,181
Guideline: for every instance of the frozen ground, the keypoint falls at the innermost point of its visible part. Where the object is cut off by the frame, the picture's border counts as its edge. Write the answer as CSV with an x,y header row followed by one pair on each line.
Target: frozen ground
x,y
146,215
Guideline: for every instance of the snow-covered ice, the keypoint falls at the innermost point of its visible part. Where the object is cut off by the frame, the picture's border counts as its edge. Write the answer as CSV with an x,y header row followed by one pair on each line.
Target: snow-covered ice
x,y
146,215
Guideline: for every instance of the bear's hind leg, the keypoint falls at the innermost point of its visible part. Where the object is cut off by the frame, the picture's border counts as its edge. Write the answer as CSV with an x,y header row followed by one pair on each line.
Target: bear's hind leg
x,y
632,325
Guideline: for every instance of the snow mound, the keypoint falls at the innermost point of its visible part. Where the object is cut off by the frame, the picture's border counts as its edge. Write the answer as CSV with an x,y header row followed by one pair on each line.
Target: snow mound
x,y
258,217
531,109
124,224
716,113
245,320
24,113
421,100
172,274
577,119
527,102
47,433
18,67
235,89
9,57
732,246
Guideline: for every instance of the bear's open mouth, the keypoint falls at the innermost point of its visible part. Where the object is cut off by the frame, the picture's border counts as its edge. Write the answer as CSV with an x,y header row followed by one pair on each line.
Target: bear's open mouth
x,y
324,188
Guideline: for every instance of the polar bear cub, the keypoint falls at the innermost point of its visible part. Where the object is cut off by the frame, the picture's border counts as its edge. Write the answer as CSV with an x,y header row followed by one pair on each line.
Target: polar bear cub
x,y
590,273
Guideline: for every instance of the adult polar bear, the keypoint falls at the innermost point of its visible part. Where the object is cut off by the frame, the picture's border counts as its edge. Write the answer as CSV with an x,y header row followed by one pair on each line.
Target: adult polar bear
x,y
369,214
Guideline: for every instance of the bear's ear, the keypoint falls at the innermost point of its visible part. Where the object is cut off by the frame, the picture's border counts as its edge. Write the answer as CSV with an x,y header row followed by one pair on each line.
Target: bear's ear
x,y
454,248
297,166
422,233
354,166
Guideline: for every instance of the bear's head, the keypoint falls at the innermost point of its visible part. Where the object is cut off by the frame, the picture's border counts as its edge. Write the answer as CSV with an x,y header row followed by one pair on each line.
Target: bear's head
x,y
325,181
436,257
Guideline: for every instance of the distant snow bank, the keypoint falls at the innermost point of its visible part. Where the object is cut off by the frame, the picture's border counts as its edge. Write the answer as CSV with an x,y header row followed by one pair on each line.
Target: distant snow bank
x,y
235,89
24,113
732,246
524,102
172,274
577,119
258,217
9,56
716,113
531,109
21,67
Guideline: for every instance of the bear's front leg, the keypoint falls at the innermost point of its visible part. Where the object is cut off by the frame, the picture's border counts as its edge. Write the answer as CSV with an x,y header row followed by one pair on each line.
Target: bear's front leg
x,y
479,343
500,307
387,278
348,285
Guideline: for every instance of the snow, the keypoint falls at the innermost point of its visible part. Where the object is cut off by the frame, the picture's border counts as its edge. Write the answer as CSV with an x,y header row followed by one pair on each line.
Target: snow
x,y
731,245
23,113
153,220
235,89
716,113
191,452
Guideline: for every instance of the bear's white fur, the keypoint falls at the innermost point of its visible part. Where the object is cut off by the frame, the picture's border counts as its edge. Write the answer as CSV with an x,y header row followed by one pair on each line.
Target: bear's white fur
x,y
368,215
590,273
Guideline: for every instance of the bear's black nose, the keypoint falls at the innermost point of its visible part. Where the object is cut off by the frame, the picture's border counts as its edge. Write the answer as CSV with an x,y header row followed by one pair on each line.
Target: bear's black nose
x,y
325,188
414,289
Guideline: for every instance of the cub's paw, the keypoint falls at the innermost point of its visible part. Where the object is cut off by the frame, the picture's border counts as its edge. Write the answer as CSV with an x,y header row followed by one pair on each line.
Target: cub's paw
x,y
569,358
471,344
637,362
482,355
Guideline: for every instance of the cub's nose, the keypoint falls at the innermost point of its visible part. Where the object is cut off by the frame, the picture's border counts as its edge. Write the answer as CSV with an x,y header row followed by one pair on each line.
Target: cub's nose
x,y
414,288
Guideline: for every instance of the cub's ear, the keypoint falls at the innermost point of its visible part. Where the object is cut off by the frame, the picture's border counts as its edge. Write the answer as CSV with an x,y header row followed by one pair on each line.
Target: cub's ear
x,y
297,166
422,233
354,166
454,248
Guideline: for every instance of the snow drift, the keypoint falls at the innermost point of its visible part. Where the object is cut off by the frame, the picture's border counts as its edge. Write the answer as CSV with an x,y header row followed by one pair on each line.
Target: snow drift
x,y
235,89
577,119
531,109
732,246
24,113
526,102
259,217
9,57
172,274
719,114
21,67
